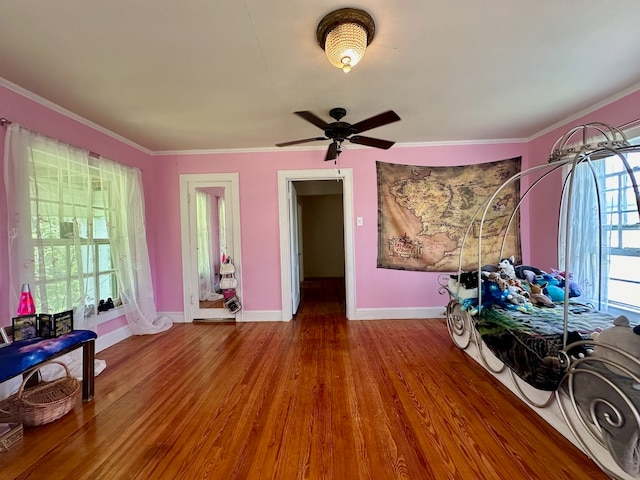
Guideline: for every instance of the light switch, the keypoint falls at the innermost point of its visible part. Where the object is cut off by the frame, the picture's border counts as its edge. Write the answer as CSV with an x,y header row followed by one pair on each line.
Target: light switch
x,y
359,221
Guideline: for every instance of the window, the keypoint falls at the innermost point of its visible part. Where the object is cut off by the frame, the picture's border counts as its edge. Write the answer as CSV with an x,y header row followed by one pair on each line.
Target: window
x,y
70,212
605,251
622,227
77,234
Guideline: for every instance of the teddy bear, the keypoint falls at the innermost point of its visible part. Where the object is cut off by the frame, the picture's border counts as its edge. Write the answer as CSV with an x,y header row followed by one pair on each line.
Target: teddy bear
x,y
495,277
624,337
517,294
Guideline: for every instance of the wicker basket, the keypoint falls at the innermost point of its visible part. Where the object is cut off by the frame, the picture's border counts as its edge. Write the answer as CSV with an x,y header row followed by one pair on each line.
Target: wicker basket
x,y
45,402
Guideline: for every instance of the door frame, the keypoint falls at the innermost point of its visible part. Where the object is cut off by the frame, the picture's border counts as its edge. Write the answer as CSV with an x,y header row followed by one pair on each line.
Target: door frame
x,y
286,177
188,185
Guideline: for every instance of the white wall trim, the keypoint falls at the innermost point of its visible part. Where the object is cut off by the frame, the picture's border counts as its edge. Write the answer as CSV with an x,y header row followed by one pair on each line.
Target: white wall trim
x,y
67,113
109,339
260,316
586,111
426,313
175,317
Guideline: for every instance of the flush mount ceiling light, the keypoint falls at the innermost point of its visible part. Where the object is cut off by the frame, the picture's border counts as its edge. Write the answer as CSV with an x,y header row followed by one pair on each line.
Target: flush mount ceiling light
x,y
344,36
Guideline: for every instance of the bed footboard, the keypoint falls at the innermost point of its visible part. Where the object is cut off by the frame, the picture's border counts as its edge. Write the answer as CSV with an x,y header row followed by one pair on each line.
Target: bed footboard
x,y
600,403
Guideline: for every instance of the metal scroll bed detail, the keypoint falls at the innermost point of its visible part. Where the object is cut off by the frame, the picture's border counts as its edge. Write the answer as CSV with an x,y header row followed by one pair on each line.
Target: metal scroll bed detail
x,y
600,408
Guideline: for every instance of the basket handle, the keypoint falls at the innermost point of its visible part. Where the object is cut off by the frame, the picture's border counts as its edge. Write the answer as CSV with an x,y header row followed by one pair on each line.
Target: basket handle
x,y
37,369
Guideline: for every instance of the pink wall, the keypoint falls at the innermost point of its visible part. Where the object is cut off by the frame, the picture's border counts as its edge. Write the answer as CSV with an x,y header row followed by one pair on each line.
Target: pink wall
x,y
375,288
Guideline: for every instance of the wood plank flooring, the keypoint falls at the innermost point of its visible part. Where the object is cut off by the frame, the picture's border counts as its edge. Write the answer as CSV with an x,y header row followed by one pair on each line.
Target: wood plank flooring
x,y
317,398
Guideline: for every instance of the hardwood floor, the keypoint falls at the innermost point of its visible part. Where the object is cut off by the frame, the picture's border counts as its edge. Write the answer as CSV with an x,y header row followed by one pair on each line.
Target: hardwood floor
x,y
318,398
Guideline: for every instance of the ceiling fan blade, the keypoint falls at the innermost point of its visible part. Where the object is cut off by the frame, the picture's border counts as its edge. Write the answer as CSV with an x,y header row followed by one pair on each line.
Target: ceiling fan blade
x,y
376,121
312,118
296,142
332,152
371,142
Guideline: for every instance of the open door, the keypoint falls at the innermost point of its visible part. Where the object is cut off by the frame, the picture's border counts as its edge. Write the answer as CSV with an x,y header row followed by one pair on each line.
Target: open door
x,y
294,212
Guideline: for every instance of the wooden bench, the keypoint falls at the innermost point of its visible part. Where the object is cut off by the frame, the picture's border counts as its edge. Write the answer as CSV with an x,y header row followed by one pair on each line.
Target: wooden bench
x,y
22,356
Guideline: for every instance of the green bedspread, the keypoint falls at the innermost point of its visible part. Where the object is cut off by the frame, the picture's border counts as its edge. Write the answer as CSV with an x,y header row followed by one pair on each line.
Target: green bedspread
x,y
528,343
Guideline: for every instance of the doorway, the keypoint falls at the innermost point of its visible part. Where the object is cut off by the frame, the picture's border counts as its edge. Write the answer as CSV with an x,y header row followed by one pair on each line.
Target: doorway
x,y
210,225
320,244
293,188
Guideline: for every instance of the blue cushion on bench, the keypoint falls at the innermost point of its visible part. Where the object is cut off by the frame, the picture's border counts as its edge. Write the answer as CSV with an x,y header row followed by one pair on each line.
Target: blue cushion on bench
x,y
25,354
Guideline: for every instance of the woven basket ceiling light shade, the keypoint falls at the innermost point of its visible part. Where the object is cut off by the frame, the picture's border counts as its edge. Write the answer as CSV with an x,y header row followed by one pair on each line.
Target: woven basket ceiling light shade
x,y
344,36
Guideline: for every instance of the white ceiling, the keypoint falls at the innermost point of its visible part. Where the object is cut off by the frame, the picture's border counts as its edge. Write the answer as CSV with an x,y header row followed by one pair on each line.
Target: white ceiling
x,y
225,74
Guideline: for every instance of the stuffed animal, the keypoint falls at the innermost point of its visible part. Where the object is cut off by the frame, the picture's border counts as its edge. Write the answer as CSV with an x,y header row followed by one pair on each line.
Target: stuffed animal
x,y
527,272
516,296
624,337
496,278
574,288
506,267
539,298
553,289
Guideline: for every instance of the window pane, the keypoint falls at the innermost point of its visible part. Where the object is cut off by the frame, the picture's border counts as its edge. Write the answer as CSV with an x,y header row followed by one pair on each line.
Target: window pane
x,y
623,267
88,259
631,238
107,284
100,224
55,262
624,292
90,291
104,257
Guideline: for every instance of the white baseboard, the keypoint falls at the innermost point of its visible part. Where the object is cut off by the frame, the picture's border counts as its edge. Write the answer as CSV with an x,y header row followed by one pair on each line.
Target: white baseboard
x,y
361,314
398,313
175,317
260,316
109,339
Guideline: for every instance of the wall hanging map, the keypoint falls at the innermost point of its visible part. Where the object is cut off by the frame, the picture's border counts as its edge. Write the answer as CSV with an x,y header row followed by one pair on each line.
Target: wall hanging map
x,y
424,212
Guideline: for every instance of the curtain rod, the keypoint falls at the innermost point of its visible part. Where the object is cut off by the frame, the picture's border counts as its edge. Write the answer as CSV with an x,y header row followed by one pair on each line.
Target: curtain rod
x,y
4,122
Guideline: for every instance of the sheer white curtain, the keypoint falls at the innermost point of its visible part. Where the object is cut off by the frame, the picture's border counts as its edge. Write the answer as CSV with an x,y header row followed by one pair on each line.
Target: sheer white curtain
x,y
50,200
128,238
205,265
48,184
588,243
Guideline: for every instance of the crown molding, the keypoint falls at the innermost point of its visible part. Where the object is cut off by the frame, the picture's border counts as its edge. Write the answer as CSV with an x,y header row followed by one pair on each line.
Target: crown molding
x,y
69,114
586,111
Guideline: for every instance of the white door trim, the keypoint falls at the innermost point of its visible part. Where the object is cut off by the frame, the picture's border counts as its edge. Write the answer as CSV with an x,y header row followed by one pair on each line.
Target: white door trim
x,y
188,185
287,176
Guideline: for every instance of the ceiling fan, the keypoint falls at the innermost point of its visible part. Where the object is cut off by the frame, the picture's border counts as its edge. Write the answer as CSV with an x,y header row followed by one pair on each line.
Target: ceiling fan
x,y
339,131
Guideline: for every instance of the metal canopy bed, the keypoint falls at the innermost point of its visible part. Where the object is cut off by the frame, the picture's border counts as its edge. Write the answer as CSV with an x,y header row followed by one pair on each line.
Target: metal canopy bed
x,y
548,356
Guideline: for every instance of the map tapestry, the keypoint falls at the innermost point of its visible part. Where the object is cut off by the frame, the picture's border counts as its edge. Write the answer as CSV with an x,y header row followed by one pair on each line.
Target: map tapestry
x,y
424,212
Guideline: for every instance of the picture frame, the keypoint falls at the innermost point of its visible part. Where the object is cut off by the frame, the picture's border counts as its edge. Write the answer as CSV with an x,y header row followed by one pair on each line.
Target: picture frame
x,y
233,304
62,323
25,327
5,338
51,325
45,325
